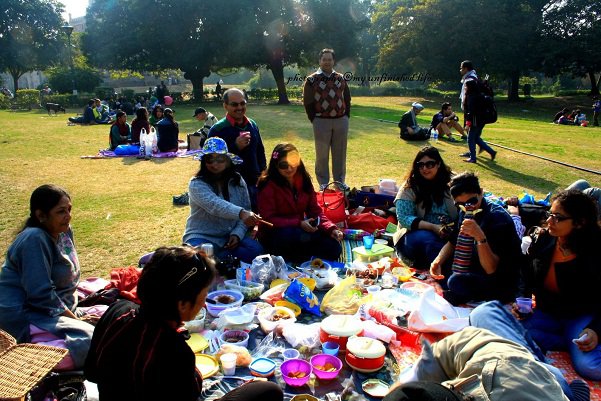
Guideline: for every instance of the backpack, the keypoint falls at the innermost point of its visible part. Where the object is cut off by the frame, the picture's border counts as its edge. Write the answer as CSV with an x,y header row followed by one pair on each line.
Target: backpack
x,y
485,108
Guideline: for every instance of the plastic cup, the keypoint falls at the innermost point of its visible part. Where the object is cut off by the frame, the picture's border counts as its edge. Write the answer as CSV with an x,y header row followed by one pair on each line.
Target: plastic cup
x,y
228,363
524,305
330,348
368,242
290,353
373,289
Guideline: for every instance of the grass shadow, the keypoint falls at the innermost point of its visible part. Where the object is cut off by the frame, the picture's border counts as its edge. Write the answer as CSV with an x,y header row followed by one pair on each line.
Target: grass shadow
x,y
518,178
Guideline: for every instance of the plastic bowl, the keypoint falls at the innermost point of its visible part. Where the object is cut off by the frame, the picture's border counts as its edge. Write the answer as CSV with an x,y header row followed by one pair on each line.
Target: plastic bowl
x,y
214,309
290,353
265,318
262,367
293,307
197,324
295,366
320,360
234,337
250,290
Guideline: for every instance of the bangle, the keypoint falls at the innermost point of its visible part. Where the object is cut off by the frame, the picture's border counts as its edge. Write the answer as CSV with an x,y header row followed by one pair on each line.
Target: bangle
x,y
483,241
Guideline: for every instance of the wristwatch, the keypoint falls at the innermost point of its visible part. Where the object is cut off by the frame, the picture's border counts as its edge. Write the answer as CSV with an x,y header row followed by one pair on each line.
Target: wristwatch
x,y
484,241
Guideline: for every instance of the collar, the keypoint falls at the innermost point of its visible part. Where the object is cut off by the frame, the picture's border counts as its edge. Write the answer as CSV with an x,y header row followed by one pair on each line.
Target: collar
x,y
470,74
233,123
320,71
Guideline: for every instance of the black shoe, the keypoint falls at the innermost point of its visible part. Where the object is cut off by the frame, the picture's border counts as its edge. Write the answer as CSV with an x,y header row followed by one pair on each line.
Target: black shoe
x,y
181,200
493,155
466,154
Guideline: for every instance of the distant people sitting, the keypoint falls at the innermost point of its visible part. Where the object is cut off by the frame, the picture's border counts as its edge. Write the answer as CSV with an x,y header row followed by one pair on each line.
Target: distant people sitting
x,y
88,115
484,254
101,112
565,118
141,121
580,119
559,114
206,119
156,115
168,132
446,119
596,110
410,131
120,131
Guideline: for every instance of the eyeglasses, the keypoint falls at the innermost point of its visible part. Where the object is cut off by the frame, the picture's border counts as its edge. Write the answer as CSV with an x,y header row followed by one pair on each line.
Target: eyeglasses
x,y
470,202
556,217
286,165
216,159
429,164
236,104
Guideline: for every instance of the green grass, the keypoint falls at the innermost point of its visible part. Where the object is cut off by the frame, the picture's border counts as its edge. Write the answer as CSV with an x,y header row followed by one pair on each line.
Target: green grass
x,y
123,207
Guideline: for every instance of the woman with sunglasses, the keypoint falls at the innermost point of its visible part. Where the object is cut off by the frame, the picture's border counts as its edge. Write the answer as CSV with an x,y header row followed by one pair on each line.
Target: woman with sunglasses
x,y
168,132
287,200
220,211
425,209
139,353
564,274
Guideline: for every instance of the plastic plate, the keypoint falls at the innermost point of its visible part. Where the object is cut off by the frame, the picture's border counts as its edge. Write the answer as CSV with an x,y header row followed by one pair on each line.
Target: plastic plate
x,y
207,365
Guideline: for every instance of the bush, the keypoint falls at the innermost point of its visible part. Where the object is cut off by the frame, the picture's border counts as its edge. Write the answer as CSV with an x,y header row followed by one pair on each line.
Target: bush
x,y
61,79
27,99
4,102
64,100
571,92
104,92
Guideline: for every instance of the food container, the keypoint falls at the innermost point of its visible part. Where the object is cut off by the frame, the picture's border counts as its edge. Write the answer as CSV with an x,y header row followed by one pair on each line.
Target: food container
x,y
249,289
262,367
220,297
375,388
270,318
377,252
296,372
304,397
365,354
325,367
338,328
198,323
293,307
234,337
290,353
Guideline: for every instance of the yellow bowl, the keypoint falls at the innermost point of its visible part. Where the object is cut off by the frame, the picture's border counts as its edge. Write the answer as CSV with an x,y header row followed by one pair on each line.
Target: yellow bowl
x,y
309,282
278,281
293,307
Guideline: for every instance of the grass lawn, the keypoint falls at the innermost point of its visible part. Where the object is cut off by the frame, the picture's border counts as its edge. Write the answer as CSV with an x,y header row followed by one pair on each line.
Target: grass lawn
x,y
122,208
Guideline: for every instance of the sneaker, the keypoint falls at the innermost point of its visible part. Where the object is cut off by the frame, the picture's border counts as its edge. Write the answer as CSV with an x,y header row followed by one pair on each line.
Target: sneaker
x,y
466,154
469,161
451,139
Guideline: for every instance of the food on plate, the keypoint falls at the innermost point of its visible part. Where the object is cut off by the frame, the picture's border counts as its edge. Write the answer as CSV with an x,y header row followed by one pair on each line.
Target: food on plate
x,y
225,299
278,315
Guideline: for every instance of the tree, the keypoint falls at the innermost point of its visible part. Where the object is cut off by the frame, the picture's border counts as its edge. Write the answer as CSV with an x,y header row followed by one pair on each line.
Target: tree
x,y
30,36
434,36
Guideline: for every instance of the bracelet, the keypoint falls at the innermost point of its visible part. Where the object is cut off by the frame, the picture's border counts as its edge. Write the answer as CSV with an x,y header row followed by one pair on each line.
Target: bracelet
x,y
484,241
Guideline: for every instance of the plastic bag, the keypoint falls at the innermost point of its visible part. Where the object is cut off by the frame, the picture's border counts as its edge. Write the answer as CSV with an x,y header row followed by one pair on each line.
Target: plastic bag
x,y
344,299
240,318
266,268
434,314
301,295
270,347
302,335
274,294
242,354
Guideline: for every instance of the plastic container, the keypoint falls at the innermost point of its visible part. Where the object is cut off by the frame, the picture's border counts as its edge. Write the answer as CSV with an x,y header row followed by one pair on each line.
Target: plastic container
x,y
214,309
365,354
228,363
266,318
290,353
249,289
198,323
330,348
320,363
234,337
293,368
262,367
293,307
433,135
377,252
372,289
338,328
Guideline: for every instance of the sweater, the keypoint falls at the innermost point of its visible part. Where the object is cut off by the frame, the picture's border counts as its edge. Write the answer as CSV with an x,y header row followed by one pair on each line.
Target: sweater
x,y
326,96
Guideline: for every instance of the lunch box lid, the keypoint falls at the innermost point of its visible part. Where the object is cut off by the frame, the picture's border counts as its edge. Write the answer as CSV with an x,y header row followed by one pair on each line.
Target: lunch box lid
x,y
341,325
365,347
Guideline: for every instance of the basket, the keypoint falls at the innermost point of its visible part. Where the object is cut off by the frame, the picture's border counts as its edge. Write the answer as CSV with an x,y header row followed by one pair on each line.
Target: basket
x,y
22,366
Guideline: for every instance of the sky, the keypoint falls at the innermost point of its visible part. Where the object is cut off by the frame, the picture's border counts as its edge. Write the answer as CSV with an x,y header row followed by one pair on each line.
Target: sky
x,y
77,8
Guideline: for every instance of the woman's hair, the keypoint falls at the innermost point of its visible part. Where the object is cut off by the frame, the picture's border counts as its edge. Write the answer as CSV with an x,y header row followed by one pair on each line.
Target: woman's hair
x,y
428,191
155,109
228,174
44,198
583,210
169,116
173,274
119,114
272,173
141,114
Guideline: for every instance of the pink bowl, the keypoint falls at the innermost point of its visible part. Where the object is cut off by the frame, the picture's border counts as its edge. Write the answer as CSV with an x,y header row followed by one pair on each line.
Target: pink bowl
x,y
295,366
323,359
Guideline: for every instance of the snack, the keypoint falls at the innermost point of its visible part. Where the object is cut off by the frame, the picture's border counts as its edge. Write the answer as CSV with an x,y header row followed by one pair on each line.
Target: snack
x,y
317,264
278,315
243,357
297,375
328,367
300,294
224,299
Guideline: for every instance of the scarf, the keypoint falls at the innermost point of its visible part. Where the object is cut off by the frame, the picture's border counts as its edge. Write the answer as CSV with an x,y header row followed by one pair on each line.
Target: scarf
x,y
470,75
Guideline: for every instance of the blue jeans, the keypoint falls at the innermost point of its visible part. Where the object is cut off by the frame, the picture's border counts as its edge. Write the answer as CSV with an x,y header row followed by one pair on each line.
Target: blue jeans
x,y
474,137
556,334
296,245
494,317
467,287
246,251
421,246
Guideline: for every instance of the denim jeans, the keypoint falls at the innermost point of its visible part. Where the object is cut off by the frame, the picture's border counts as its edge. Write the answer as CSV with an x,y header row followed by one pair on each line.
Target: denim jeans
x,y
297,245
474,137
494,317
246,251
421,246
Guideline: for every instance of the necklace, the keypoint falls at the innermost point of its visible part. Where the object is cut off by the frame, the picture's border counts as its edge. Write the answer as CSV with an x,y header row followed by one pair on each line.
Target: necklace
x,y
564,251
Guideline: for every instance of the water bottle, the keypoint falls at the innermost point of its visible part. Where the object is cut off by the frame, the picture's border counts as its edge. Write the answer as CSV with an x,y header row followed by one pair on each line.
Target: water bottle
x,y
143,142
434,135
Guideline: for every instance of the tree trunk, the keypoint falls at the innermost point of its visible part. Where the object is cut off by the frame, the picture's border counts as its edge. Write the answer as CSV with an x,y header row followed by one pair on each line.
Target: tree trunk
x,y
513,94
277,69
594,84
197,84
16,74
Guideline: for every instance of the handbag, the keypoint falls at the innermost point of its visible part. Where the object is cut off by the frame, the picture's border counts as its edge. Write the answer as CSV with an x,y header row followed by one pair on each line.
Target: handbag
x,y
367,222
334,203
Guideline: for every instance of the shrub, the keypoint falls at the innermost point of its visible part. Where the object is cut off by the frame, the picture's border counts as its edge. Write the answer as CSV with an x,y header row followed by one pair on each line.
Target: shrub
x,y
4,102
64,100
571,92
61,79
104,92
128,93
27,99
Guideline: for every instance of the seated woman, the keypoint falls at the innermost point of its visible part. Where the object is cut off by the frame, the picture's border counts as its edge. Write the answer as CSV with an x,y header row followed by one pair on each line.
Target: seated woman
x,y
564,274
139,353
156,115
39,278
120,131
141,121
167,132
424,208
87,117
219,205
287,200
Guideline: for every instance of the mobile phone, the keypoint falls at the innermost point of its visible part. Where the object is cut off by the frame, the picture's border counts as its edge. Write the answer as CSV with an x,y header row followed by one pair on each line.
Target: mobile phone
x,y
420,276
315,222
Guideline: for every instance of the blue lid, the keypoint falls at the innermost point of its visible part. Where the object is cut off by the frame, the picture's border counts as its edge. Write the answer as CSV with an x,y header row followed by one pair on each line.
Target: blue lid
x,y
262,365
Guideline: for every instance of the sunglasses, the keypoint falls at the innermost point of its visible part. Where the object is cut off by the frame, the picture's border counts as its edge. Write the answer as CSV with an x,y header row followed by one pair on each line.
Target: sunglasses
x,y
470,202
429,164
236,104
555,217
216,159
286,165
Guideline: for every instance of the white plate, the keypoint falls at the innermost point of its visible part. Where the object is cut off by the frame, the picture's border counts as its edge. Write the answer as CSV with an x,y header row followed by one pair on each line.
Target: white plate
x,y
306,266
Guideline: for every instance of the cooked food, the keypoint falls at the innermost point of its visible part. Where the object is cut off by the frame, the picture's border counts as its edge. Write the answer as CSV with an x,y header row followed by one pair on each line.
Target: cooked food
x,y
317,264
225,299
328,367
279,315
297,375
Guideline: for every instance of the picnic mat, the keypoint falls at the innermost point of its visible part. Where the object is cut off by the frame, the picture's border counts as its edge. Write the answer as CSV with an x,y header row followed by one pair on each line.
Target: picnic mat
x,y
104,154
561,360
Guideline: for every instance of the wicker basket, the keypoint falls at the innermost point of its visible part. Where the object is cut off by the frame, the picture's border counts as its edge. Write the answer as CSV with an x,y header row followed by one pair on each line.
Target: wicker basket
x,y
22,366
